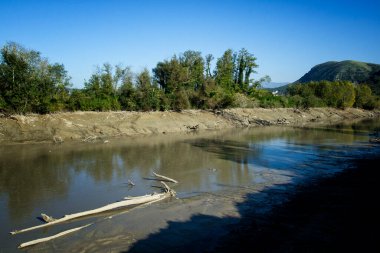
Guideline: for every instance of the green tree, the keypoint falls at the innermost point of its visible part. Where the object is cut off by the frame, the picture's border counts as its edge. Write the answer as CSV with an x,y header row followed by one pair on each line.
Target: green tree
x,y
194,65
127,90
148,94
101,89
250,69
79,100
208,59
345,94
246,63
181,100
363,96
224,73
340,94
170,75
28,82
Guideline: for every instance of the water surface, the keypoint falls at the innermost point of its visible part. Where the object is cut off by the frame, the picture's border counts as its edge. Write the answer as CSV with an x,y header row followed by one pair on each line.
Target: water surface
x,y
73,177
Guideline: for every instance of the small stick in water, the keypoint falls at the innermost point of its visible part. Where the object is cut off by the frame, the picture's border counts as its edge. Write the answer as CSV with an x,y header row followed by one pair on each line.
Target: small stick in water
x,y
165,178
130,182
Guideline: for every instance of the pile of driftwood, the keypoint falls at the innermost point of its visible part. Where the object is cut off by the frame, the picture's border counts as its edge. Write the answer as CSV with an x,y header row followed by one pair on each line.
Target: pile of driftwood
x,y
126,202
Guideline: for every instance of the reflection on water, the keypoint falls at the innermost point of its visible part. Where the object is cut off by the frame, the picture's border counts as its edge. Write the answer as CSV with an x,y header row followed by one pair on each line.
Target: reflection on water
x,y
61,179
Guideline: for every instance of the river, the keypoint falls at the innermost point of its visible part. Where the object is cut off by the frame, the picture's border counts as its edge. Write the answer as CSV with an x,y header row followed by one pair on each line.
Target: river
x,y
215,171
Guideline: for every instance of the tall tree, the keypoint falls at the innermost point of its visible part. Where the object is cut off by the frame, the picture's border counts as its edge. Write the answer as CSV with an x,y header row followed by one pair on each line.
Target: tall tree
x,y
148,94
170,75
101,89
224,73
194,66
208,59
123,79
249,69
246,63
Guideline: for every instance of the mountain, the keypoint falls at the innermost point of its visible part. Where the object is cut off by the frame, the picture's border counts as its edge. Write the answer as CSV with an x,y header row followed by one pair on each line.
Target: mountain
x,y
354,71
272,85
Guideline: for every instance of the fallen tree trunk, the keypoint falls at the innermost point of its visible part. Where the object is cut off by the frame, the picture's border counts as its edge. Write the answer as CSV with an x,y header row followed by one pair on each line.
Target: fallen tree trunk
x,y
45,239
165,178
128,201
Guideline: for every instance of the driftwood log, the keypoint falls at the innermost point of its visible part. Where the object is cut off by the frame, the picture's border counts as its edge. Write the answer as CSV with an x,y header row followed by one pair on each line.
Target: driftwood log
x,y
45,239
129,201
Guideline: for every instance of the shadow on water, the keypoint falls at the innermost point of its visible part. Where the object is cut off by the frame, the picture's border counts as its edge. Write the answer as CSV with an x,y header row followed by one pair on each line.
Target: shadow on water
x,y
333,214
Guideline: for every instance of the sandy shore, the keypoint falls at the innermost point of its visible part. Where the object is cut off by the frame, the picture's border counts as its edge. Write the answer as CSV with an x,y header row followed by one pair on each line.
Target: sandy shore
x,y
102,125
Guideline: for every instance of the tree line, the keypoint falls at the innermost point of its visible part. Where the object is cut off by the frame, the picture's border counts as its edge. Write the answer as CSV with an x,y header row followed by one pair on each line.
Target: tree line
x,y
30,83
338,94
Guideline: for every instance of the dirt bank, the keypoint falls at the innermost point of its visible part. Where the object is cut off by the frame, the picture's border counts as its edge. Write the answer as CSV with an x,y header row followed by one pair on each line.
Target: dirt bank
x,y
102,125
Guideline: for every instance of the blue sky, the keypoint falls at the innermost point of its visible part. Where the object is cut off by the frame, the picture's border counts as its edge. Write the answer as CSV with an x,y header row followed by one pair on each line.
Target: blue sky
x,y
287,37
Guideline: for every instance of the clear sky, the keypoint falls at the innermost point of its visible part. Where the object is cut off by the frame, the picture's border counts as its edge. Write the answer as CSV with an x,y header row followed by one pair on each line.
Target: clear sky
x,y
287,37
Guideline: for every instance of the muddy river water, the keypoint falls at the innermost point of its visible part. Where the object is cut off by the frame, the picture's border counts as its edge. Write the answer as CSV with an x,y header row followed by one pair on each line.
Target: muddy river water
x,y
217,171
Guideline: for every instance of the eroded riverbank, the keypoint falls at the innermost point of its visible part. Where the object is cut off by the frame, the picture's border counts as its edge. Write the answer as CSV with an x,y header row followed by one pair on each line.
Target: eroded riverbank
x,y
63,127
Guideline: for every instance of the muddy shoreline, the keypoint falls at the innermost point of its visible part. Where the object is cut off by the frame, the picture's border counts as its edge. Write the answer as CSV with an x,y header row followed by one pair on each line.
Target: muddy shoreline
x,y
100,126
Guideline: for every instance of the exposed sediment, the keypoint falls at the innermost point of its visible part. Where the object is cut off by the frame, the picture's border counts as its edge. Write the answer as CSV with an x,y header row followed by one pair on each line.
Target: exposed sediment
x,y
90,126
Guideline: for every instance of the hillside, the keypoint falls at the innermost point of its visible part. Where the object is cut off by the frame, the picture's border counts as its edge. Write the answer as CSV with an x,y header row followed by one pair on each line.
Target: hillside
x,y
354,71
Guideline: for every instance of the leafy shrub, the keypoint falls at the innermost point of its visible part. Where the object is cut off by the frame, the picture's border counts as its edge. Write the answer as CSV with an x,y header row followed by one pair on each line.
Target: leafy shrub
x,y
243,101
181,100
